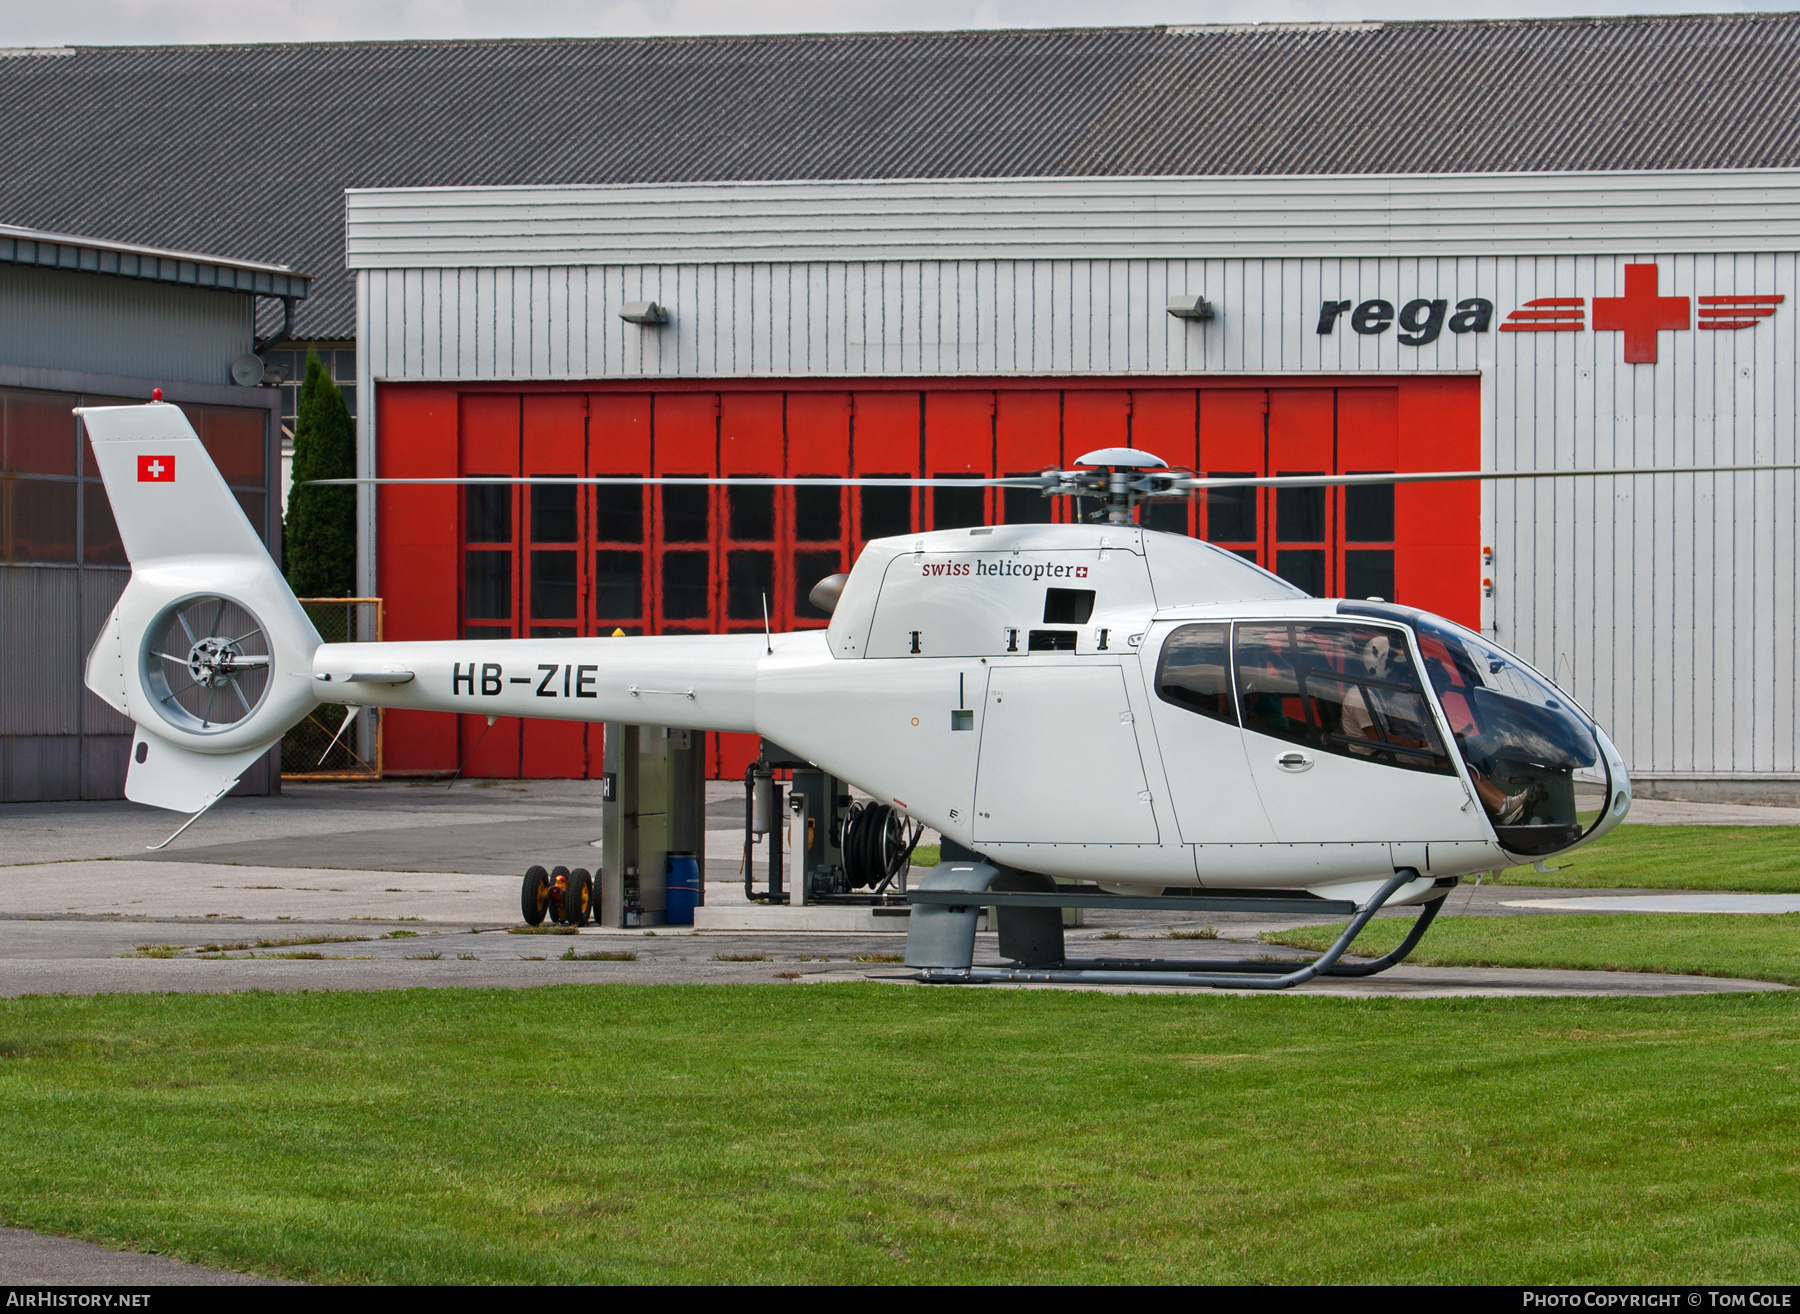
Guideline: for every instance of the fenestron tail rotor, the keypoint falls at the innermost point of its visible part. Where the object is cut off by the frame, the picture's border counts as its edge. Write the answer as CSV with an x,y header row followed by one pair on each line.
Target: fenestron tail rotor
x,y
206,663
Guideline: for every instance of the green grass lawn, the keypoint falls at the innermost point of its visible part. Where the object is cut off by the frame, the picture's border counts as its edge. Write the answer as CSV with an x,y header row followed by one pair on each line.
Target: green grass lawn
x,y
1704,944
886,1133
1761,859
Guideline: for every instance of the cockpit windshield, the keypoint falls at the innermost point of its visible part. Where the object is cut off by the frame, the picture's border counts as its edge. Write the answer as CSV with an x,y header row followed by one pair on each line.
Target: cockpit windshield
x,y
1533,756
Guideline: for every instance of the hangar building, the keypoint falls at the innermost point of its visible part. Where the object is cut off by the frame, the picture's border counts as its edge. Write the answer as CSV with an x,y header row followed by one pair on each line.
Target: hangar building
x,y
980,327
1520,244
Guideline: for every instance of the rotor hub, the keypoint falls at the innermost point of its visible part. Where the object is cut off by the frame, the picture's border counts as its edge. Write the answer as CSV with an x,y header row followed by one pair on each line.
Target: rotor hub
x,y
206,663
213,660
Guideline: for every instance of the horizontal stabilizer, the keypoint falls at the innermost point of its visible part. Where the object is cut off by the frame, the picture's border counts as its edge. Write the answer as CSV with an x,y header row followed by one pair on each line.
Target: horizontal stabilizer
x,y
166,776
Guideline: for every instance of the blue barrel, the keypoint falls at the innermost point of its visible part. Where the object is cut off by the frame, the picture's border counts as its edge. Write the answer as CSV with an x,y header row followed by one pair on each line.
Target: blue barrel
x,y
684,888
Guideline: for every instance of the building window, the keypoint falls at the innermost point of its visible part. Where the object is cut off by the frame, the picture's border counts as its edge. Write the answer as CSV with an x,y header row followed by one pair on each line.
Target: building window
x,y
53,505
339,360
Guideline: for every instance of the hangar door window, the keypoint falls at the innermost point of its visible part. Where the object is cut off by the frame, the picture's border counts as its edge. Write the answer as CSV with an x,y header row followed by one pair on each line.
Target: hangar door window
x,y
818,542
686,592
750,552
555,560
619,556
1331,541
488,560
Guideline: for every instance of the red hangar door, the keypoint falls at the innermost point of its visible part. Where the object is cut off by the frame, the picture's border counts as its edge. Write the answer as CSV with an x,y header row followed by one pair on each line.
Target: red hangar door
x,y
591,561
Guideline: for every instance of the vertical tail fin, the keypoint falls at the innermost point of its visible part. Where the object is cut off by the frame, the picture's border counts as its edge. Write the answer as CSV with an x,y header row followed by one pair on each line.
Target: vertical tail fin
x,y
207,651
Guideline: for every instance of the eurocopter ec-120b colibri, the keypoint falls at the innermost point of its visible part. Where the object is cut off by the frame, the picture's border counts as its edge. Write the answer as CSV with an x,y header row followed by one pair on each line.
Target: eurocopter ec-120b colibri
x,y
1153,717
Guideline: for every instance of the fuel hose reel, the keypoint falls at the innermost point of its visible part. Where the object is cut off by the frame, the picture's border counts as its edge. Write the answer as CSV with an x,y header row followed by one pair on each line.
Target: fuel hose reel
x,y
877,844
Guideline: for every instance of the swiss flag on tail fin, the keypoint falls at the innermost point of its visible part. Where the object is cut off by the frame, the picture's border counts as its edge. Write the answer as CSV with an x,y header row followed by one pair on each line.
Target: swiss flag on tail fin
x,y
156,469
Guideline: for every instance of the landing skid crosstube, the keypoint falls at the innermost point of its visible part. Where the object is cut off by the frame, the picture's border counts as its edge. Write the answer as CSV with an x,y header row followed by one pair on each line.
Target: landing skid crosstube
x,y
941,939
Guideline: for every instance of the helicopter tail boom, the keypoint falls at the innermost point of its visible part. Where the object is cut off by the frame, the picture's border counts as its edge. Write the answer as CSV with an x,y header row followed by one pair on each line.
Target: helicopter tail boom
x,y
683,681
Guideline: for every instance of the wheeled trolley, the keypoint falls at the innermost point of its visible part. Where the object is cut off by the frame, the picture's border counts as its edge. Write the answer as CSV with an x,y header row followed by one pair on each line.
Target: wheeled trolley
x,y
565,896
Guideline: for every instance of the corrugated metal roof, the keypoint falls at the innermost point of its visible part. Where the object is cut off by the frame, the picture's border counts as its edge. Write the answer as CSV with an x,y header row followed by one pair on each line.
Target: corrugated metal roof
x,y
248,149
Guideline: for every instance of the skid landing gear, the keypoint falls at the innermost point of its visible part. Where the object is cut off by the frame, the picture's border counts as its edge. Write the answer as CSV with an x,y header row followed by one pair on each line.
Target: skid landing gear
x,y
566,897
941,939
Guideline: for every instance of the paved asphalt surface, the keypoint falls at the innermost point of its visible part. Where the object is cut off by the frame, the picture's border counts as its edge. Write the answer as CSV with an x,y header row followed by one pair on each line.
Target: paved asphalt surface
x,y
28,1259
396,885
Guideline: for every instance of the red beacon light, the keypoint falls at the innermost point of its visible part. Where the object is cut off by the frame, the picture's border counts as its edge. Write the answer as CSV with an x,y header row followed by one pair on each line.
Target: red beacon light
x,y
156,394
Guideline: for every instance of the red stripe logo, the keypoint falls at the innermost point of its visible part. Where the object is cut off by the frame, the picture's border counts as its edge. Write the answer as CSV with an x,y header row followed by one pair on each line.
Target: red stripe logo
x,y
156,469
1736,312
1548,315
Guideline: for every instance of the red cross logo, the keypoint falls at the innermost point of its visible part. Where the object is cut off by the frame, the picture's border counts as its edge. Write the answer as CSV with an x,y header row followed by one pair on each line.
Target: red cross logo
x,y
1640,313
156,469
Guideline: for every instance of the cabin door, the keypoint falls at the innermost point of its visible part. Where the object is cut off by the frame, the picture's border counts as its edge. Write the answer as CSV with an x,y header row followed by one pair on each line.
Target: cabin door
x,y
1059,759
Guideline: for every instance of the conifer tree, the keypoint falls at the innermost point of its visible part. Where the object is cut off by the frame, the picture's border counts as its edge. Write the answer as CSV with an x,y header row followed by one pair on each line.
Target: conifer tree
x,y
320,532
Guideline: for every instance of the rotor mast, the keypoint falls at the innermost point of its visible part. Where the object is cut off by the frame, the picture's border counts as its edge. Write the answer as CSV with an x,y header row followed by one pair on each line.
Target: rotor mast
x,y
1122,478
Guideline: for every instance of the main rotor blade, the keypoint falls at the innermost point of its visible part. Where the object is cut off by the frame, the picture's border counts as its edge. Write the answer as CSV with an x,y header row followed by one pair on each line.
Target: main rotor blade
x,y
1196,483
710,481
1053,481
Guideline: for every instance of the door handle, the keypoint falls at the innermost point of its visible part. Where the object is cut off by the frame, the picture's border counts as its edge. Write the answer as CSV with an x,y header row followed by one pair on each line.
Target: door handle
x,y
1294,760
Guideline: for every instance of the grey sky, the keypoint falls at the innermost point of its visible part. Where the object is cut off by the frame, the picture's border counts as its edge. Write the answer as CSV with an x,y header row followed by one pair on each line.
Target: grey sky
x,y
121,22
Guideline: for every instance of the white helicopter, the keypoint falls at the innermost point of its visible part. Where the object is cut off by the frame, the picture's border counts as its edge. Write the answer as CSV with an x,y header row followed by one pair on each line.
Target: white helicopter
x,y
1141,712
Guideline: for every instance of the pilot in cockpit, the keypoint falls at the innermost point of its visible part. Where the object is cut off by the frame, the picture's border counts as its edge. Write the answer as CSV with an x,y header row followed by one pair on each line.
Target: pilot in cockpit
x,y
1504,809
1384,660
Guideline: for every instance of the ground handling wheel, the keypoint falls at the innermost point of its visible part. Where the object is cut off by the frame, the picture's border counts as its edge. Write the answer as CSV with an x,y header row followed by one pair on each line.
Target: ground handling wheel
x,y
578,898
534,895
559,892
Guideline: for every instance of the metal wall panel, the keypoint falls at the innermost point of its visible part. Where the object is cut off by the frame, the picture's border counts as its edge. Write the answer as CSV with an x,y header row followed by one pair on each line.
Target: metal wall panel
x,y
65,320
40,652
904,319
57,740
762,223
35,768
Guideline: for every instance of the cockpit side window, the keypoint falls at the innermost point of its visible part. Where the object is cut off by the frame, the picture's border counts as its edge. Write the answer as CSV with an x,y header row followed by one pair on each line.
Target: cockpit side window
x,y
1345,689
1195,671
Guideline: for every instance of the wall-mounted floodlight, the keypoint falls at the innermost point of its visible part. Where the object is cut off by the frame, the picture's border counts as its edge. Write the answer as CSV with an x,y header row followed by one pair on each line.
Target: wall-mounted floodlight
x,y
1190,307
647,313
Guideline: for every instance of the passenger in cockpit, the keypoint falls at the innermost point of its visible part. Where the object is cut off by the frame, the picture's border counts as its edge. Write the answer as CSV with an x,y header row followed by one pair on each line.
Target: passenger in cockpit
x,y
1377,654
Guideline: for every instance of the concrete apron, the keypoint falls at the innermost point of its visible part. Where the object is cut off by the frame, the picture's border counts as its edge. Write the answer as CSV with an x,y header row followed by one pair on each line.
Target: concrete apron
x,y
1665,903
